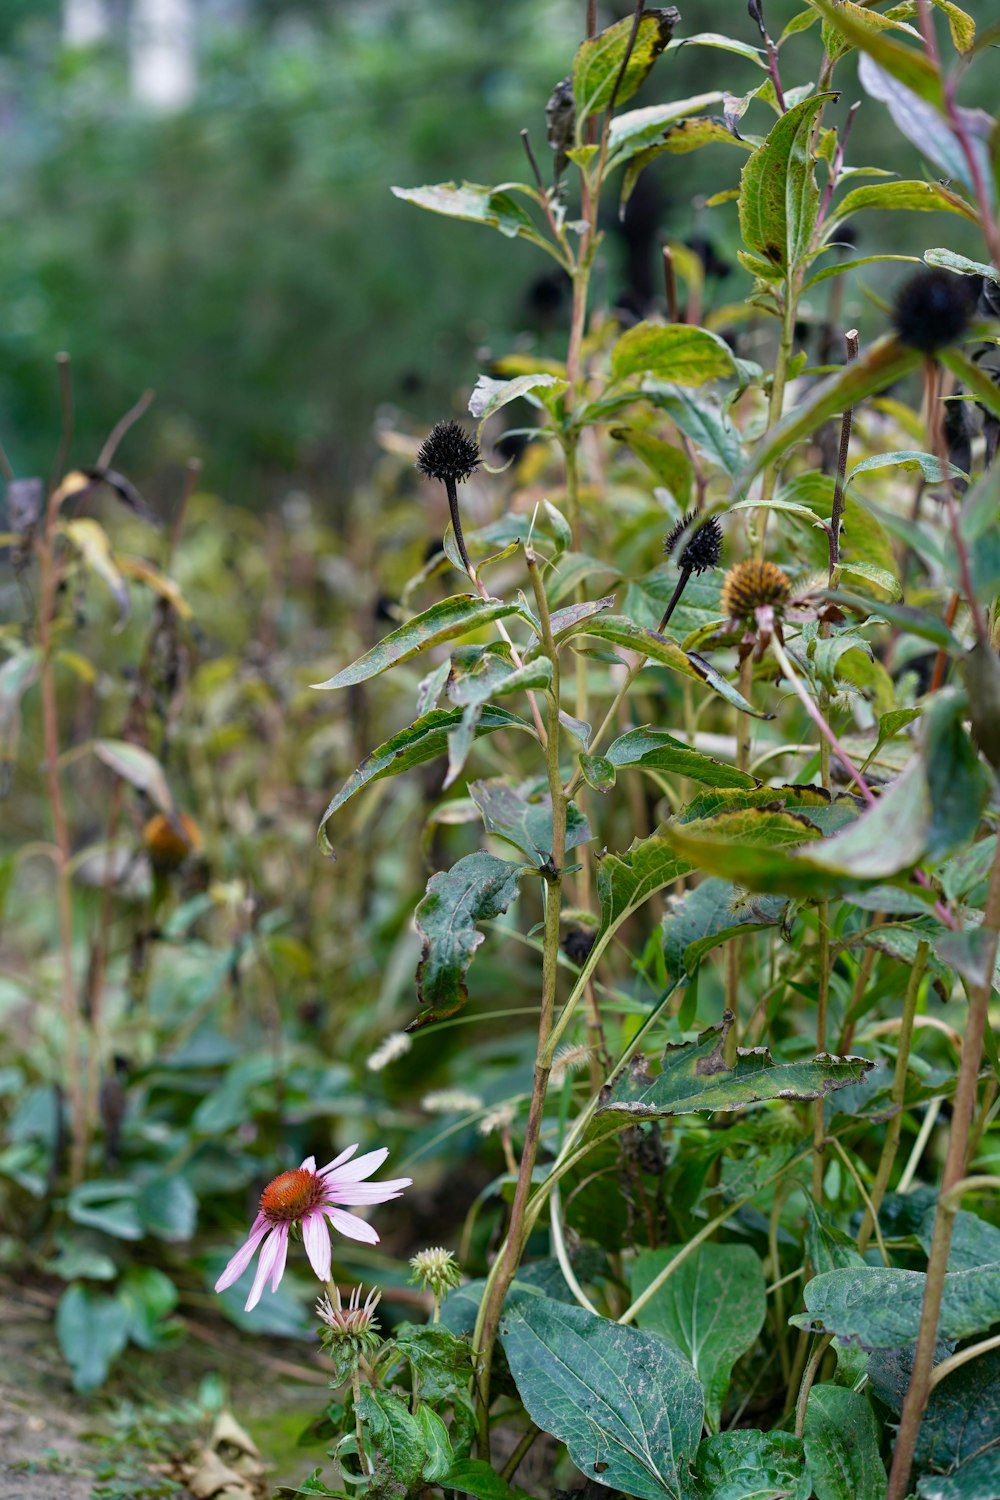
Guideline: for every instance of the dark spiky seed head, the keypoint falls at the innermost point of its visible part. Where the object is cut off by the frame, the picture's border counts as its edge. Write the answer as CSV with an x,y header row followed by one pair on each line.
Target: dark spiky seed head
x,y
704,546
933,309
448,453
752,584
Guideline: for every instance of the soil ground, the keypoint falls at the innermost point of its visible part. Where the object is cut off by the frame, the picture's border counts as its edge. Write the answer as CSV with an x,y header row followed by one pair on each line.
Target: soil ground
x,y
57,1445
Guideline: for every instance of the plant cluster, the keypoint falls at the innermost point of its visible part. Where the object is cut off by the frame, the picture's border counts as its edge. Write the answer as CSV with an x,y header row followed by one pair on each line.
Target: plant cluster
x,y
708,794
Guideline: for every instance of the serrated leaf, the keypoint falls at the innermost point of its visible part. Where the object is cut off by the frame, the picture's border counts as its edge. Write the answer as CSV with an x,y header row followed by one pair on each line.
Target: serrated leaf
x,y
744,1464
711,1310
879,1307
656,750
779,198
457,616
523,816
627,1406
842,1445
477,887
599,59
625,881
695,1078
423,740
678,352
394,1434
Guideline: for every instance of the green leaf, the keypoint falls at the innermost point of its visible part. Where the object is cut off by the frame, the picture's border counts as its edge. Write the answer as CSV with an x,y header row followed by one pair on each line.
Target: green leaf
x,y
745,1464
695,1077
639,128
973,1480
701,419
658,649
779,198
17,674
135,765
919,197
168,1208
108,1206
625,881
459,615
597,772
441,1363
421,741
904,63
714,911
958,782
842,1445
711,1310
149,1297
491,395
92,1329
949,260
974,1242
975,379
878,1307
493,676
394,1434
599,59
656,750
668,463
494,207
963,1416
678,352
474,1476
91,541
908,460
523,815
477,887
886,361
627,1406
438,1455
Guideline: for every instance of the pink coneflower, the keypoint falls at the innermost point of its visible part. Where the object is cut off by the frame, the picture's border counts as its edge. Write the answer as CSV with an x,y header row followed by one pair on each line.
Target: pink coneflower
x,y
307,1197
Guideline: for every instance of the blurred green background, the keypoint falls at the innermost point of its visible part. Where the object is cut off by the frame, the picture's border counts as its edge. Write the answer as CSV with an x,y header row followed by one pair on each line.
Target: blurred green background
x,y
243,255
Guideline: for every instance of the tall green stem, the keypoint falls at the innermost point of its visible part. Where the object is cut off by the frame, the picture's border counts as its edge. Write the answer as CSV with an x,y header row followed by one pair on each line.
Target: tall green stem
x,y
897,1094
962,1112
505,1266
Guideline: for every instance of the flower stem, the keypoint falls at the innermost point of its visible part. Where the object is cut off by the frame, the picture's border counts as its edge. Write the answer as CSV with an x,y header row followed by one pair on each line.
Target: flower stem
x,y
963,1108
505,1266
358,1429
897,1094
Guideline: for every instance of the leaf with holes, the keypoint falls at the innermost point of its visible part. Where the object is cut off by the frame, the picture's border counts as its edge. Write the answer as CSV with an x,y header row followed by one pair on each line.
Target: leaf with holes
x,y
599,60
478,887
694,1077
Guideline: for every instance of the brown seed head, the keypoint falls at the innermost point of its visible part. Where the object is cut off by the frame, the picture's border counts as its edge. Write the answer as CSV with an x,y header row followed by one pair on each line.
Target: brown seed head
x,y
752,584
169,841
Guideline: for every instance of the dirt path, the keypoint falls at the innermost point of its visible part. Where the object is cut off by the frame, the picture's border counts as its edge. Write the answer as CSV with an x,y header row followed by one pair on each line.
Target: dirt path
x,y
56,1445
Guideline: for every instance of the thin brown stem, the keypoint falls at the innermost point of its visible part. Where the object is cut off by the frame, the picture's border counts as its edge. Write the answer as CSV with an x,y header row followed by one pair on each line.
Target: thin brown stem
x,y
505,1266
122,426
670,283
963,1109
65,375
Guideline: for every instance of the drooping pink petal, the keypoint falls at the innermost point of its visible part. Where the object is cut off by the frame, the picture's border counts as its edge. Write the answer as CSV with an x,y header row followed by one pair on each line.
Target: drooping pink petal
x,y
279,1259
268,1254
364,1166
354,1229
316,1238
309,1165
365,1192
337,1160
244,1254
